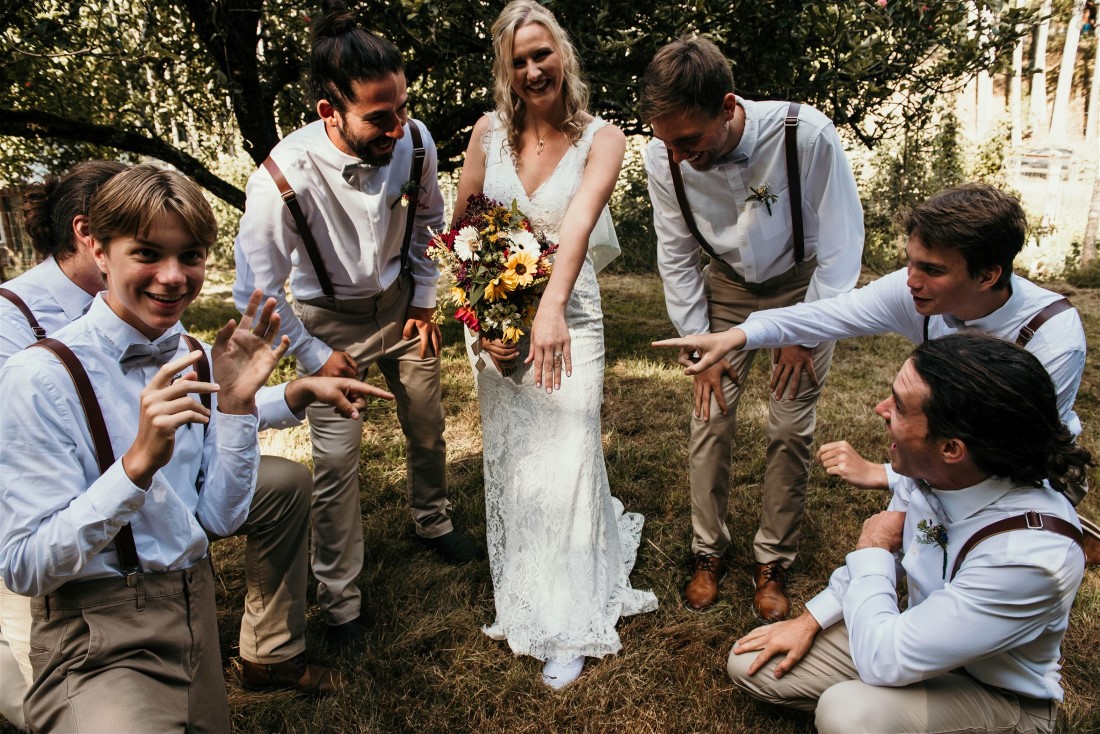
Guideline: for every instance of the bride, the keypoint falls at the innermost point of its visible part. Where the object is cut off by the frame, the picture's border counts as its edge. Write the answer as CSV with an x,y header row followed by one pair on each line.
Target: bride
x,y
560,546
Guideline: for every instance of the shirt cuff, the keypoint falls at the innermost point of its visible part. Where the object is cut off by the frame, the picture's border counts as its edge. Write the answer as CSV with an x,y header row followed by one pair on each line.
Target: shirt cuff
x,y
871,562
236,431
313,355
424,296
892,477
115,497
826,608
274,413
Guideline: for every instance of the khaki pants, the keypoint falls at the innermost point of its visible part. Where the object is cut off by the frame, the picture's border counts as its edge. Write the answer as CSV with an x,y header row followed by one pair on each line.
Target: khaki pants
x,y
826,681
369,330
273,626
108,657
790,429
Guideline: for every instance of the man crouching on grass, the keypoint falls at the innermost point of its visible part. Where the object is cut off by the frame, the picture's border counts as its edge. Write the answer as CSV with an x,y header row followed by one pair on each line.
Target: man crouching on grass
x,y
993,559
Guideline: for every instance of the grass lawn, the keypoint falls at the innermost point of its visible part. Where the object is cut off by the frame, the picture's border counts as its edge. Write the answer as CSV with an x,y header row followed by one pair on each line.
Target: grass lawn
x,y
428,667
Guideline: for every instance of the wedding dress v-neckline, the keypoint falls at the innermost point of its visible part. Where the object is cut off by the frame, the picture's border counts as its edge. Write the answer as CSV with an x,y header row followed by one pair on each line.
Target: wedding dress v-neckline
x,y
530,196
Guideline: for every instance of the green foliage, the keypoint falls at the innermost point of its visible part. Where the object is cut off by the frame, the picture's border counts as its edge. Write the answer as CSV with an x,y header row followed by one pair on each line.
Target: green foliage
x,y
187,81
907,170
633,213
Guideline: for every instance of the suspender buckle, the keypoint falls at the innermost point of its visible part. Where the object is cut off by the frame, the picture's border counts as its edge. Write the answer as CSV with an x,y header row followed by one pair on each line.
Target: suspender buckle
x,y
1034,520
133,576
790,121
1025,335
39,332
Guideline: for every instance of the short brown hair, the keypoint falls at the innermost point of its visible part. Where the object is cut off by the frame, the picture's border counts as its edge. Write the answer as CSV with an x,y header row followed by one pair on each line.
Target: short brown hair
x,y
127,205
984,224
689,75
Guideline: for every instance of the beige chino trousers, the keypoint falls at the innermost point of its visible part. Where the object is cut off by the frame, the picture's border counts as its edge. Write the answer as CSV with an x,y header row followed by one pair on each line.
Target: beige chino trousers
x,y
369,329
790,428
826,681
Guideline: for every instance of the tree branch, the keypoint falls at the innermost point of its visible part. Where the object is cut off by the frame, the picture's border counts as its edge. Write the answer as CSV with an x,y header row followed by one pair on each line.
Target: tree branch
x,y
37,124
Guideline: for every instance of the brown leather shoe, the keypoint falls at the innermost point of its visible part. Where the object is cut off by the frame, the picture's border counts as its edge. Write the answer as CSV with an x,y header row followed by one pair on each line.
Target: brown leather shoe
x,y
1092,541
295,674
702,591
770,601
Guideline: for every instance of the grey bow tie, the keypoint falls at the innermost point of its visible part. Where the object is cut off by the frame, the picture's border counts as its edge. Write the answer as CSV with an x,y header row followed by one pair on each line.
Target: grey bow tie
x,y
137,355
351,169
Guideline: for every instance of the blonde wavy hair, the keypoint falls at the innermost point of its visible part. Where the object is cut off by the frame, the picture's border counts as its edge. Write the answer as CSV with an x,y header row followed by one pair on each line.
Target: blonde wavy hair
x,y
510,108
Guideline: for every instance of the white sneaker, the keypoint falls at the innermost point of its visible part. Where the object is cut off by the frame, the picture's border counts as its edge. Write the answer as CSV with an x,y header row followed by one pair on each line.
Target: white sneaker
x,y
558,675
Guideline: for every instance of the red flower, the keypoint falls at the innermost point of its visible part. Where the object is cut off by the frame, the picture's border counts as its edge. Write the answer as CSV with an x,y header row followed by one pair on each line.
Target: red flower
x,y
467,316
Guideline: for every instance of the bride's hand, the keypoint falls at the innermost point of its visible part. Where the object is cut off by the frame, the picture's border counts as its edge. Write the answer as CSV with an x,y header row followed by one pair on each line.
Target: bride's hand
x,y
550,348
499,352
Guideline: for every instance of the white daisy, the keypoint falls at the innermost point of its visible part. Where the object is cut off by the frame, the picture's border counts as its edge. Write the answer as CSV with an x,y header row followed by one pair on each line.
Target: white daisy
x,y
467,243
525,241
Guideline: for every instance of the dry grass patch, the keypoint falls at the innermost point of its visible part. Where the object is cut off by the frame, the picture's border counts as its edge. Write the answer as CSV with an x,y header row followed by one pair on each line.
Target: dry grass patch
x,y
428,668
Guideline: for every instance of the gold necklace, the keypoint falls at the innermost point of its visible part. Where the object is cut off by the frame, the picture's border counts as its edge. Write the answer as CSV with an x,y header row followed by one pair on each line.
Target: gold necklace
x,y
541,143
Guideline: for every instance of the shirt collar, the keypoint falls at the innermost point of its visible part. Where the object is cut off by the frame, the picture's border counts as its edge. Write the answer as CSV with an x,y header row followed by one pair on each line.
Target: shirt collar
x,y
117,334
747,144
327,153
960,504
994,323
73,299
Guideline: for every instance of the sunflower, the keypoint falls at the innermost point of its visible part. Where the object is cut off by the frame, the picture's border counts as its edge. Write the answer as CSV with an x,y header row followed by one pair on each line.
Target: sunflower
x,y
458,296
521,266
499,287
512,334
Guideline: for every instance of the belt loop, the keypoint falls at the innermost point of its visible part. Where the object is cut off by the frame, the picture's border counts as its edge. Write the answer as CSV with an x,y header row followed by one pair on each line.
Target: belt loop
x,y
46,606
136,581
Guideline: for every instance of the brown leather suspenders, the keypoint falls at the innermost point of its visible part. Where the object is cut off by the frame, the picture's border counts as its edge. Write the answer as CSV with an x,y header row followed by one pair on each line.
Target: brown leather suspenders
x,y
794,183
105,455
1027,331
39,332
1030,520
290,198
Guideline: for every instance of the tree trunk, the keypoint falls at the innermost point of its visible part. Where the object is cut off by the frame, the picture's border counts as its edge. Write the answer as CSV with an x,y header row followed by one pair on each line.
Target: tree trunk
x,y
1092,129
38,124
1037,118
1059,120
1015,95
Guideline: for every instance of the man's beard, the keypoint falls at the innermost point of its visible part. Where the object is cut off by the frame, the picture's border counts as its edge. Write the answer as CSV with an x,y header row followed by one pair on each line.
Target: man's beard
x,y
365,151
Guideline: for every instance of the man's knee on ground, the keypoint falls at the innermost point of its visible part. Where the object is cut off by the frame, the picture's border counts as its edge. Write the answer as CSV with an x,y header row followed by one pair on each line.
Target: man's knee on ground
x,y
847,709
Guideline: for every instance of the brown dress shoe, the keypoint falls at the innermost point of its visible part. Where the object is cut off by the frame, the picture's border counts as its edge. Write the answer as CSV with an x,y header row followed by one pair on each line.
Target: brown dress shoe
x,y
295,674
770,601
1092,541
702,591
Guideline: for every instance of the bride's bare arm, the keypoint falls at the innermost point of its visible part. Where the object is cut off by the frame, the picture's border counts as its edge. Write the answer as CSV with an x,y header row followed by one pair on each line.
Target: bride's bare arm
x,y
549,334
472,180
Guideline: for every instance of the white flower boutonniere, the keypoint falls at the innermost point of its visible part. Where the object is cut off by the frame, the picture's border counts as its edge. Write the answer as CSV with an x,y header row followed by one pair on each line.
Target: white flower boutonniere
x,y
764,194
934,533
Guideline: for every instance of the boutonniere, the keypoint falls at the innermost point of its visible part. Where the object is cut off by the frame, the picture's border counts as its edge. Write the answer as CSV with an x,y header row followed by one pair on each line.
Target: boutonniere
x,y
408,188
934,534
764,194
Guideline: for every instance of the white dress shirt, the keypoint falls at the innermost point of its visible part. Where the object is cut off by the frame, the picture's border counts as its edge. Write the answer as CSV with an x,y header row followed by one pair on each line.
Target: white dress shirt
x,y
886,306
54,300
1002,617
355,217
758,245
58,514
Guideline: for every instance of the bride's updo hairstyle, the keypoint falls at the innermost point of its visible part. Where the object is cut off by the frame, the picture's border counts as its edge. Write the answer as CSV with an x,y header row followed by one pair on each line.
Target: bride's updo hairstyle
x,y
344,53
510,108
50,207
128,205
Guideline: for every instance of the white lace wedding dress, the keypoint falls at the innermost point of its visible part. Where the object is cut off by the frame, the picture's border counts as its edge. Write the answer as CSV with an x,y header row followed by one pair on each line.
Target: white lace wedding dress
x,y
560,546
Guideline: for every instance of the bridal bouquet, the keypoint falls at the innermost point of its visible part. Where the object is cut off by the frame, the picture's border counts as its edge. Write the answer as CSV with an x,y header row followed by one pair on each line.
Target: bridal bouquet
x,y
495,266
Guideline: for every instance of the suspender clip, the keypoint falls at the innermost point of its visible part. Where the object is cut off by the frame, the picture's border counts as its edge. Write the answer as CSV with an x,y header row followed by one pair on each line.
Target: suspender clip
x,y
1034,520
